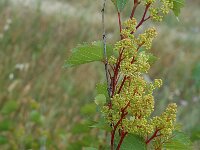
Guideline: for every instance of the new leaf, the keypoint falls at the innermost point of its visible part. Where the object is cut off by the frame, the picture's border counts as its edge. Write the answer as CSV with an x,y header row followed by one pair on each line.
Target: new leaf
x,y
87,53
178,4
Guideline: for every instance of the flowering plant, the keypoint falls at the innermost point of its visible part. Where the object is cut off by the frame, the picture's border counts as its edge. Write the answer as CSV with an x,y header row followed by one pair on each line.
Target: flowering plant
x,y
126,100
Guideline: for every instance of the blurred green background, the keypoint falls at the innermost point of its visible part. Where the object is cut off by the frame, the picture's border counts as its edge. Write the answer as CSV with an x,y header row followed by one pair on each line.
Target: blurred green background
x,y
44,106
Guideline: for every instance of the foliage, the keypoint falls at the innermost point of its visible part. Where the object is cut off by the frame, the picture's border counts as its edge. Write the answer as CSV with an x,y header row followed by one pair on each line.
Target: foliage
x,y
130,102
87,53
38,40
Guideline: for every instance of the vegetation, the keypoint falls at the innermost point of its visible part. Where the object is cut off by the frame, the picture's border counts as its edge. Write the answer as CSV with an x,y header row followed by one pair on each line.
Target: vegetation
x,y
40,101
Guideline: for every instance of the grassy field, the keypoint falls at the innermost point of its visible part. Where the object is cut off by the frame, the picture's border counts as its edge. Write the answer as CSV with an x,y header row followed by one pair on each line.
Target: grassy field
x,y
42,105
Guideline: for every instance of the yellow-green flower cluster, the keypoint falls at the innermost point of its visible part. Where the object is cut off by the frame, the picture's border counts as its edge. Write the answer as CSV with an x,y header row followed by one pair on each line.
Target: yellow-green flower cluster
x,y
130,25
147,37
130,28
157,13
133,103
164,124
146,2
166,6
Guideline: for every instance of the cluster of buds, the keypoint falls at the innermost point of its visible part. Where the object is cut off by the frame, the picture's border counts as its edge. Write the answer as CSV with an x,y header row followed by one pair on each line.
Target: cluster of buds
x,y
157,13
133,101
147,37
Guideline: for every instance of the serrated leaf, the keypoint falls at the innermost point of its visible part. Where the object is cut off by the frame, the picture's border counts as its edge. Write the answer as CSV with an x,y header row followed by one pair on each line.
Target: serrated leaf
x,y
100,99
178,4
131,141
9,107
87,53
119,4
180,141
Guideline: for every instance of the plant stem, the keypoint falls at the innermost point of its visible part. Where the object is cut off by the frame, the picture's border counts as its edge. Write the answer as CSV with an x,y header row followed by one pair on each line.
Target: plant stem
x,y
123,114
104,49
136,3
121,139
143,17
153,136
119,20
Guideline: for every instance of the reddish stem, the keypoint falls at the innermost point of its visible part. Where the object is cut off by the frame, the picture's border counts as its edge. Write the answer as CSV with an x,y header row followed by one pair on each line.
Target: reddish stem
x,y
153,136
121,139
143,17
120,24
136,3
116,71
117,124
122,84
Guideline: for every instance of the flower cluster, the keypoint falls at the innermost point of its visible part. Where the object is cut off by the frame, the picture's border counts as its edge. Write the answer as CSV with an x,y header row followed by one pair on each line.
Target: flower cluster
x,y
157,13
132,101
147,37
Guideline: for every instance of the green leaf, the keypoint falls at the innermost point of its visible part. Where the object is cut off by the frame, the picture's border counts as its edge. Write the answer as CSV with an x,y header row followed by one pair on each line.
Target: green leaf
x,y
36,117
180,141
88,109
80,128
87,53
100,99
119,4
178,4
195,133
152,59
6,125
102,89
9,107
3,140
131,141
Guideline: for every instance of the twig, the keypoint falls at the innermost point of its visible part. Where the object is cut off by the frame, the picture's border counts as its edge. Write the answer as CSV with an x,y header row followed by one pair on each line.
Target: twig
x,y
104,49
143,17
136,3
